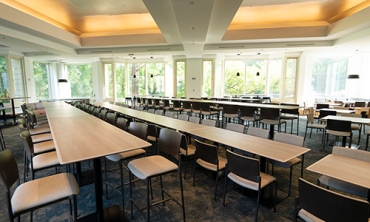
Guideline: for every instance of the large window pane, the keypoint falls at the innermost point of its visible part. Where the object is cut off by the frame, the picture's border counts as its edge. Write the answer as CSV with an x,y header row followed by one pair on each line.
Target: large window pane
x,y
80,77
155,73
218,79
274,77
234,82
207,78
17,77
120,80
256,77
40,71
4,88
290,77
108,80
329,77
180,84
137,77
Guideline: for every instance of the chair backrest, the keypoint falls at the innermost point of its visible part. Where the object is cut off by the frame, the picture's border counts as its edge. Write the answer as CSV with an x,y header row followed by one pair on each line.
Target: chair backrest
x,y
122,123
111,118
91,109
259,132
205,107
169,142
231,109
324,113
177,104
184,117
322,106
351,153
159,112
155,102
339,125
359,104
151,110
166,103
8,170
289,138
152,130
103,114
169,114
97,111
185,105
195,105
209,122
206,152
194,119
310,116
235,127
27,144
330,206
290,111
139,130
248,111
270,113
237,164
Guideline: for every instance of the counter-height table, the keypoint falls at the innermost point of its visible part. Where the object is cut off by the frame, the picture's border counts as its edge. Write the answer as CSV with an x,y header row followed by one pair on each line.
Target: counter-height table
x,y
13,106
79,136
343,168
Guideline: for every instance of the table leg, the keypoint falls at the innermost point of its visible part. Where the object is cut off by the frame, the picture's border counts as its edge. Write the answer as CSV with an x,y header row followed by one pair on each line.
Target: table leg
x,y
272,129
13,111
98,181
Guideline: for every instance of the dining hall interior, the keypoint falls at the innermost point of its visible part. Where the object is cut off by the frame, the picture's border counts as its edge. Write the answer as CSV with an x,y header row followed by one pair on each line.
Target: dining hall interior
x,y
198,110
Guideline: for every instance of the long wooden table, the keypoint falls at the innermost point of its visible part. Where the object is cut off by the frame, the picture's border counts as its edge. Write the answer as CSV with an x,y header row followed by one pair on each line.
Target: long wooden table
x,y
80,136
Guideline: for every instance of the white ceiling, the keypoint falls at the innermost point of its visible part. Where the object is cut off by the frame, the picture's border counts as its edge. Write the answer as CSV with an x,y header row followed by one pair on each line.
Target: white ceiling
x,y
81,29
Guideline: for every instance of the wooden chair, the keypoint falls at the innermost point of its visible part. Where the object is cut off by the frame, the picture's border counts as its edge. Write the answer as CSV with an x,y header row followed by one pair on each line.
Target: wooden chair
x,y
259,132
315,203
249,114
251,179
35,194
187,150
290,114
153,166
310,124
206,156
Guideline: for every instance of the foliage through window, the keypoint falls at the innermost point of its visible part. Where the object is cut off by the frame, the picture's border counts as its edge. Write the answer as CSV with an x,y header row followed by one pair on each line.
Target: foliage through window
x,y
80,78
180,82
207,78
40,71
120,80
4,88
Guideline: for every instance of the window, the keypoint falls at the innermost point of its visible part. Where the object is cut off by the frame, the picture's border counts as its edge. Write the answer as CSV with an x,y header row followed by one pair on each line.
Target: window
x,y
120,80
256,77
80,77
155,76
17,77
108,80
290,77
180,79
218,79
207,78
4,88
329,76
274,76
41,71
234,77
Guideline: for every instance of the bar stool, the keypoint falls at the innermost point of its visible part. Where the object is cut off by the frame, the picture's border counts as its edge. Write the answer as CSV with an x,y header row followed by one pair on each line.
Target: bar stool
x,y
229,112
339,128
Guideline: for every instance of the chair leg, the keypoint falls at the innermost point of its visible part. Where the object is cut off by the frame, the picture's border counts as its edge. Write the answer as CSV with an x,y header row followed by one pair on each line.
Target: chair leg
x,y
367,142
186,166
147,198
74,200
161,182
275,199
258,205
194,173
216,185
290,181
224,196
131,205
182,196
122,189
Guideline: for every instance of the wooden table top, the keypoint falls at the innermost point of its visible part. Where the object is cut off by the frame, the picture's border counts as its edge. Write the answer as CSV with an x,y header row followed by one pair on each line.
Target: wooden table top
x,y
82,137
348,118
338,110
165,121
263,147
343,168
258,105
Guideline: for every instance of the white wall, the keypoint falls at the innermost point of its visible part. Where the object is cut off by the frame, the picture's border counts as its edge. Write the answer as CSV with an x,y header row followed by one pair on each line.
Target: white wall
x,y
194,78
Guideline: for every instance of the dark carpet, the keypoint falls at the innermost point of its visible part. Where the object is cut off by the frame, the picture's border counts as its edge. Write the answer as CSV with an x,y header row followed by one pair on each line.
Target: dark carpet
x,y
199,202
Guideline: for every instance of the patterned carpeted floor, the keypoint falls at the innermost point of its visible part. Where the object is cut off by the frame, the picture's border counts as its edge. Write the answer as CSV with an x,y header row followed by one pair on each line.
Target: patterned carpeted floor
x,y
199,202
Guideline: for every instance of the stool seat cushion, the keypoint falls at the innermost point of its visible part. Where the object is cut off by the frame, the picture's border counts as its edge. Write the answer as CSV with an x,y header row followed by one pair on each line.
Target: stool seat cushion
x,y
43,147
39,131
151,166
125,155
343,186
191,150
265,180
209,166
41,137
42,191
45,160
306,216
